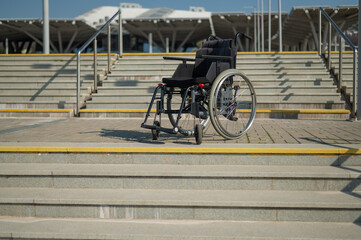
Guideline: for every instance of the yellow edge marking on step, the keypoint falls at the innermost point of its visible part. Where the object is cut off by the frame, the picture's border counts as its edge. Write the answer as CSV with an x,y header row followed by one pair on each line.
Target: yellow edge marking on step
x,y
288,52
153,111
159,54
240,111
37,110
339,52
240,53
53,55
299,111
115,110
183,150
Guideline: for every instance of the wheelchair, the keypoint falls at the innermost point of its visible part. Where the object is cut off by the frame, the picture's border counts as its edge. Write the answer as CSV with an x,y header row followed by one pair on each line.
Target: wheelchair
x,y
210,90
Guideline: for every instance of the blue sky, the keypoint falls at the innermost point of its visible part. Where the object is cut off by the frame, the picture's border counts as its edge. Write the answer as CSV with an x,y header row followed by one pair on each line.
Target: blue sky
x,y
73,8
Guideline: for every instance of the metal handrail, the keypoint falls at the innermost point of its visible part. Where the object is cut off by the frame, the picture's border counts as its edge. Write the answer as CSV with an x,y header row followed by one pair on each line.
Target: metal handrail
x,y
329,66
86,44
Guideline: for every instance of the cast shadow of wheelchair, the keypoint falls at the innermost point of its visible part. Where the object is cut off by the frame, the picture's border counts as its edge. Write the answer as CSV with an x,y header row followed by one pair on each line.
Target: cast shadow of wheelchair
x,y
144,137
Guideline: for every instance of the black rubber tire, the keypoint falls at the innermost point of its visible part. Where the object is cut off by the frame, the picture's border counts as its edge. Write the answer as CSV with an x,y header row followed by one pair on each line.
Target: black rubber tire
x,y
198,133
156,133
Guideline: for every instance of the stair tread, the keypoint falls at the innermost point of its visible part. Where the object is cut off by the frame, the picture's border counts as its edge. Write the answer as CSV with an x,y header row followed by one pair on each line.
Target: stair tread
x,y
169,170
260,94
182,198
77,228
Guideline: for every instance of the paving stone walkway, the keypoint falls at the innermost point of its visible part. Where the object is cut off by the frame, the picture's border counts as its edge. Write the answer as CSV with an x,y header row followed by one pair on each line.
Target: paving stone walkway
x,y
128,130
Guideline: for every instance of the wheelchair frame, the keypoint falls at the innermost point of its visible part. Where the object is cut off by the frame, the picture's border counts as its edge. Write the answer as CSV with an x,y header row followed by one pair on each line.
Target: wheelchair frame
x,y
216,103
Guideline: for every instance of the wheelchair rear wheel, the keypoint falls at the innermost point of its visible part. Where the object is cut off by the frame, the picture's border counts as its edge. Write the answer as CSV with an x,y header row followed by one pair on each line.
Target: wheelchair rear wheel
x,y
187,121
232,104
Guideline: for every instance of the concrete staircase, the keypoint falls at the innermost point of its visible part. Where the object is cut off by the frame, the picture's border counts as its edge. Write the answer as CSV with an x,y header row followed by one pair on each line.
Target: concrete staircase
x,y
44,85
282,82
287,85
179,196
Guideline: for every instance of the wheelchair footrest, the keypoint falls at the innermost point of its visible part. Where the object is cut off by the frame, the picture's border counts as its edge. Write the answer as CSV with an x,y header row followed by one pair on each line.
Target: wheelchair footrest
x,y
148,126
167,130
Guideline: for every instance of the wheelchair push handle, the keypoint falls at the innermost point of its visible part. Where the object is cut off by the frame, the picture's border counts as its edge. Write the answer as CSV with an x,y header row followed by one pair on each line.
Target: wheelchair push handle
x,y
213,37
243,35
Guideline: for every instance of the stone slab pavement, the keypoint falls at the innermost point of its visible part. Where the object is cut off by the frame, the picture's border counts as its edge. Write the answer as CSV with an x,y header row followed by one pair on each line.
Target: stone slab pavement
x,y
128,131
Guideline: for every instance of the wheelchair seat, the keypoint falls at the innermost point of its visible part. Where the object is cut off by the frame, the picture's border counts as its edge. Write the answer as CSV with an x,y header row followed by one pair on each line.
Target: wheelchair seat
x,y
214,57
183,82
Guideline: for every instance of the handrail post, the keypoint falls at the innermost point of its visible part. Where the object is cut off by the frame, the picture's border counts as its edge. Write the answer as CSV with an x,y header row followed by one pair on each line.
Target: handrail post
x,y
77,84
353,114
109,47
329,64
358,110
150,37
340,56
6,46
95,65
167,44
319,31
280,25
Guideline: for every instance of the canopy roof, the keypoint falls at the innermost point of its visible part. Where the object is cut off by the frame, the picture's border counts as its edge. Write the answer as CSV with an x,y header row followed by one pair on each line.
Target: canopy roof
x,y
180,27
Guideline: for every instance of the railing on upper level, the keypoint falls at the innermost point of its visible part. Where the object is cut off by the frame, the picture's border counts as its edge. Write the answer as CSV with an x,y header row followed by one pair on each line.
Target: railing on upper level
x,y
94,40
321,50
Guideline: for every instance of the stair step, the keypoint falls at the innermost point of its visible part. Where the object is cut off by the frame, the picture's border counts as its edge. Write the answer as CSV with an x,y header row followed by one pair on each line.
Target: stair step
x,y
254,205
279,114
55,57
260,105
46,77
65,83
48,90
49,68
65,228
145,176
139,82
262,97
126,91
317,78
321,157
49,97
249,72
50,104
38,113
251,66
43,73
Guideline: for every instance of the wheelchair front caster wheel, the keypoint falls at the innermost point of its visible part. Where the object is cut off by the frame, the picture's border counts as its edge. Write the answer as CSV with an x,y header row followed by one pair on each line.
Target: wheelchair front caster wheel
x,y
198,133
155,133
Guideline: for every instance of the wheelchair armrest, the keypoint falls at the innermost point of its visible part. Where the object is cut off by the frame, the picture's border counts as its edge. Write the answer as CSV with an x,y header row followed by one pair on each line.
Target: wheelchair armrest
x,y
215,57
180,59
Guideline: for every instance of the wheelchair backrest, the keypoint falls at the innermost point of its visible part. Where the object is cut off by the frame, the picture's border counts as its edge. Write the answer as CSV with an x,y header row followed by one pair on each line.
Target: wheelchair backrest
x,y
218,47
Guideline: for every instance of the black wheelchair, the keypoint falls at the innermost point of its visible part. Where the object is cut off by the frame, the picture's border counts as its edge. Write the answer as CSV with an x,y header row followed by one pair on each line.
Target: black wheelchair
x,y
210,90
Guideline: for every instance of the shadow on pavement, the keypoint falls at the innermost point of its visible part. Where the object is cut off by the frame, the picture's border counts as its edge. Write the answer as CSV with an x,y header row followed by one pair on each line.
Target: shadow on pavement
x,y
142,137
